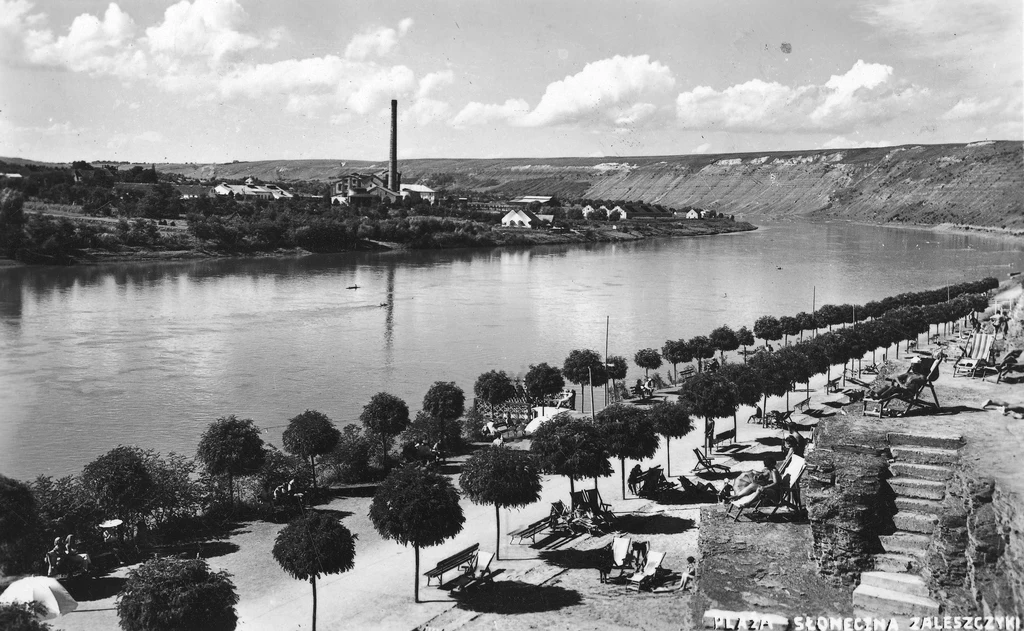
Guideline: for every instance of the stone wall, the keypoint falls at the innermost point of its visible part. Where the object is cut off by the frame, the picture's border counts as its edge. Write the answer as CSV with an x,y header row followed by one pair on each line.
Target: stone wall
x,y
848,503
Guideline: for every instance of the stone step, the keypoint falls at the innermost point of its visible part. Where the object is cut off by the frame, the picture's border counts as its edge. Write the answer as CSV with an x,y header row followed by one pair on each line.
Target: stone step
x,y
908,521
942,441
888,602
896,581
906,543
889,562
925,455
916,487
938,473
917,505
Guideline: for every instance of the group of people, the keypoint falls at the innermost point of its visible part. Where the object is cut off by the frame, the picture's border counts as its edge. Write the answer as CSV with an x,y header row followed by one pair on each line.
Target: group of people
x,y
64,558
287,492
644,388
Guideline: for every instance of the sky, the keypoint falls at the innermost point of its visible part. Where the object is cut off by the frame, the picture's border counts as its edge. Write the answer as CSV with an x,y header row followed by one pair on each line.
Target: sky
x,y
222,80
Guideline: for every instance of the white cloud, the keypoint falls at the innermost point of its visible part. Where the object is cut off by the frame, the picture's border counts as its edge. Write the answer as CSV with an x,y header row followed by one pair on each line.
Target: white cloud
x,y
701,148
863,94
972,108
842,142
204,28
91,45
377,41
433,81
608,91
475,113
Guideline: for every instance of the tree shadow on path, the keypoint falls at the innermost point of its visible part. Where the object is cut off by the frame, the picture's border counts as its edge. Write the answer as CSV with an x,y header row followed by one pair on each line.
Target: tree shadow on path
x,y
514,597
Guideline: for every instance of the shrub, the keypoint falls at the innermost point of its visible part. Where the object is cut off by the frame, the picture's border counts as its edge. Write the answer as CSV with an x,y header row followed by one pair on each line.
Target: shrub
x,y
172,595
349,461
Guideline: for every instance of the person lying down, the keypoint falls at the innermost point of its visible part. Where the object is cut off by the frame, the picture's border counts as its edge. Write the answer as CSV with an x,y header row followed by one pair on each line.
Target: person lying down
x,y
1016,409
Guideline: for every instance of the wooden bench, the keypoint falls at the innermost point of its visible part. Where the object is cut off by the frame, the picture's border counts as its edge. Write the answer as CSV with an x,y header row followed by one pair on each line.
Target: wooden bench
x,y
724,436
833,385
461,560
802,404
686,374
531,531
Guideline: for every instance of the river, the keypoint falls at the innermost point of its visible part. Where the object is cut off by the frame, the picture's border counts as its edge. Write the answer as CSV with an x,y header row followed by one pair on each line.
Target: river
x,y
150,353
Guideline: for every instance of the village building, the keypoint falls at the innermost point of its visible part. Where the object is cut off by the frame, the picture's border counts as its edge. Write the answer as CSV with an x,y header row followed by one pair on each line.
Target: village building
x,y
417,192
523,218
251,189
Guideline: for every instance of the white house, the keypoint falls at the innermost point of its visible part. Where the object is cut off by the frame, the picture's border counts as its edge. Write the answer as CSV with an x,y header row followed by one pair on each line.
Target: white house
x,y
251,189
693,214
521,218
419,191
526,200
588,210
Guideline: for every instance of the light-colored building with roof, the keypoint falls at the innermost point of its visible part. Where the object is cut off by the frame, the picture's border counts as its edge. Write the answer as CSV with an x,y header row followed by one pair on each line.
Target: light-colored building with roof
x,y
251,189
419,191
521,218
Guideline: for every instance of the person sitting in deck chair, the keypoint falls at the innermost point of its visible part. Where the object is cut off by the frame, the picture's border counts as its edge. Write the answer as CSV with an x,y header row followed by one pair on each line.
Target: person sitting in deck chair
x,y
914,378
766,486
55,558
75,560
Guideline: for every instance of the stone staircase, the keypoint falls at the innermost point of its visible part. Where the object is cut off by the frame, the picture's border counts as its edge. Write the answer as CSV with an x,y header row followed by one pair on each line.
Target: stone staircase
x,y
922,463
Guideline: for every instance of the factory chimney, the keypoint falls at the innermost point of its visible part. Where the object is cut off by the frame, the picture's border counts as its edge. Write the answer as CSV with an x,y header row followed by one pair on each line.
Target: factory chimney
x,y
393,176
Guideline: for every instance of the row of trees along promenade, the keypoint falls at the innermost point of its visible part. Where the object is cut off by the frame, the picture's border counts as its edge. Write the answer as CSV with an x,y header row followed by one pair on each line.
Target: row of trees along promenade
x,y
167,502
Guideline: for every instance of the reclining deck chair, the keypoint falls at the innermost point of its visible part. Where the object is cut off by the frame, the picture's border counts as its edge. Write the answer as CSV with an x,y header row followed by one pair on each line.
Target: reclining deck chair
x,y
704,464
912,397
621,559
643,578
601,510
1007,363
653,482
560,517
788,494
976,357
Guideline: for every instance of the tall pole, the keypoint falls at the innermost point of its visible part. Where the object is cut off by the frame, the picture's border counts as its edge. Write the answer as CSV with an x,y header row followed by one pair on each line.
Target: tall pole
x,y
607,324
814,296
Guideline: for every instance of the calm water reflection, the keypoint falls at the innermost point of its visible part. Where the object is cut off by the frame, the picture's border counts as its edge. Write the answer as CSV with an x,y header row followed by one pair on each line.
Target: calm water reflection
x,y
149,354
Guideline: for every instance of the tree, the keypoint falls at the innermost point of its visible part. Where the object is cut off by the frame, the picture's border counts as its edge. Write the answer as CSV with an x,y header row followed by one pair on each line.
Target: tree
x,y
506,478
702,349
712,396
768,329
445,400
427,429
350,458
19,519
648,359
573,447
628,433
789,325
385,417
418,507
494,388
724,339
617,368
543,381
12,222
585,367
168,594
745,338
770,373
309,435
120,482
18,616
745,382
231,447
315,543
671,420
806,322
676,352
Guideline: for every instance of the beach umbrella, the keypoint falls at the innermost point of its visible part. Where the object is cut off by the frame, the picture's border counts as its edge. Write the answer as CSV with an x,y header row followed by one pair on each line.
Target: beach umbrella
x,y
46,591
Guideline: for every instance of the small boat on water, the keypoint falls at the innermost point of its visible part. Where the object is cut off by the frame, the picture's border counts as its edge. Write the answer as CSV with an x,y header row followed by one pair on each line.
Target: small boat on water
x,y
352,287
383,304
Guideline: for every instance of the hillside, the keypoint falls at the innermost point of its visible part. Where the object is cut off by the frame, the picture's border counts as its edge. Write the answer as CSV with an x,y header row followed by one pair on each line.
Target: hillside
x,y
979,183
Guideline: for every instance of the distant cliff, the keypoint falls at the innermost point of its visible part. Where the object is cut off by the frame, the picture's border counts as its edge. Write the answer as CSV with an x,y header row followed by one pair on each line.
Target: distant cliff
x,y
980,183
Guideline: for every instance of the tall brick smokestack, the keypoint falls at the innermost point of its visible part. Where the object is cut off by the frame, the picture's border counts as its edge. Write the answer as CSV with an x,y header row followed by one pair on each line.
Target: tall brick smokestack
x,y
393,182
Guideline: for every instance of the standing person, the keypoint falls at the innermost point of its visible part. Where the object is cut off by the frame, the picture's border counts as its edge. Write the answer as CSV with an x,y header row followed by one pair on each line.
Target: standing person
x,y
634,478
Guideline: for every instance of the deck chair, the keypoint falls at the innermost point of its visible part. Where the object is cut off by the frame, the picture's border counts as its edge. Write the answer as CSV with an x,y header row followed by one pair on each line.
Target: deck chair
x,y
620,558
912,398
976,356
704,464
477,573
653,483
789,493
1006,363
757,416
560,517
643,578
592,500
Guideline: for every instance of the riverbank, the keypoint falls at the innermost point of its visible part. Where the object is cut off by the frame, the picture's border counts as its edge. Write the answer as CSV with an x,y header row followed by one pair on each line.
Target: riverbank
x,y
497,237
